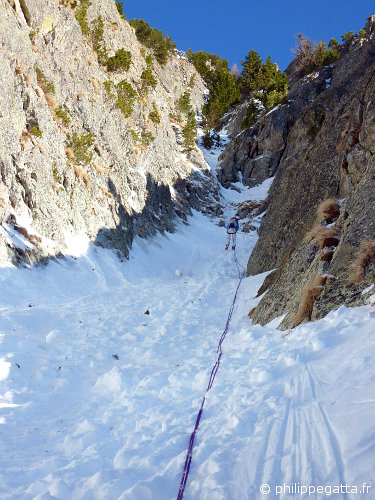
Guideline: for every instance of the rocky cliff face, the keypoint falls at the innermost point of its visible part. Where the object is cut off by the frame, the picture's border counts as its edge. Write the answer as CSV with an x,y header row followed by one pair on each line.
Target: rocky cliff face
x,y
318,231
71,162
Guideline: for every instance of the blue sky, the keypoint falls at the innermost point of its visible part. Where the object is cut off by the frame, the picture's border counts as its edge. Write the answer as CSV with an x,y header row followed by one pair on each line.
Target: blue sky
x,y
233,27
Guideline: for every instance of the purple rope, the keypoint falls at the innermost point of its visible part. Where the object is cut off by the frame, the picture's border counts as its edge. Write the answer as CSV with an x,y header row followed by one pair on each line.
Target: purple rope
x,y
189,454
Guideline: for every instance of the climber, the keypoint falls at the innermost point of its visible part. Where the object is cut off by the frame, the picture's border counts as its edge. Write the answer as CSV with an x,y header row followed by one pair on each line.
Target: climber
x,y
232,228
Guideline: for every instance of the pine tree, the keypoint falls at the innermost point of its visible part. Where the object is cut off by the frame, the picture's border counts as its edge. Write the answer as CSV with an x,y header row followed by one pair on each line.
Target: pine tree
x,y
251,77
362,34
348,36
333,43
120,10
154,39
334,50
224,92
190,132
183,103
147,77
321,55
120,61
270,72
201,61
275,88
251,116
222,84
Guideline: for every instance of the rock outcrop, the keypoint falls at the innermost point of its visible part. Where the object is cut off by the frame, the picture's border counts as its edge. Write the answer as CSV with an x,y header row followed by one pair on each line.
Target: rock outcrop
x,y
255,153
320,147
73,159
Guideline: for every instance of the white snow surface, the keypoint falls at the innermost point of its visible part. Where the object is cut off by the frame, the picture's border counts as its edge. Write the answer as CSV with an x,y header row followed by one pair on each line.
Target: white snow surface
x,y
103,366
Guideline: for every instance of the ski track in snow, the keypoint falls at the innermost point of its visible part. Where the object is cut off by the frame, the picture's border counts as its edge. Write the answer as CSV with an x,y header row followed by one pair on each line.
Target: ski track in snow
x,y
98,398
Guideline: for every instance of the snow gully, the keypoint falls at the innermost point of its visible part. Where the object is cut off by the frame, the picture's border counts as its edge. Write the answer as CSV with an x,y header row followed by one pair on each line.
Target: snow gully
x,y
189,455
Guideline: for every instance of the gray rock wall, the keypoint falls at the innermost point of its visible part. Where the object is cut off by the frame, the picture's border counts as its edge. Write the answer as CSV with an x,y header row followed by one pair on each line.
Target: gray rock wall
x,y
320,145
126,188
256,152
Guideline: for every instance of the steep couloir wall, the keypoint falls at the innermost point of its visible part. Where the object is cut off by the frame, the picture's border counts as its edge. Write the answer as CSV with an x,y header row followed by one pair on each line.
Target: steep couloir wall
x,y
318,232
88,149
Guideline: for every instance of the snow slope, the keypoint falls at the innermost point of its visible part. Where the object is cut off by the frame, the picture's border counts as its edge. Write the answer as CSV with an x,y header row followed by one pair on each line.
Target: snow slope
x,y
103,365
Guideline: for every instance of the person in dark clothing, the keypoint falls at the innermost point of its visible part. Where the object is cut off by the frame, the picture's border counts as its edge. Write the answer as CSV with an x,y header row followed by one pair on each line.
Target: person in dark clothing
x,y
232,228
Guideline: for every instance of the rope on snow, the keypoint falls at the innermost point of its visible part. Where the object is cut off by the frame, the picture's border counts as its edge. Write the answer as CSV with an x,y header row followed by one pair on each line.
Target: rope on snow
x,y
189,455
